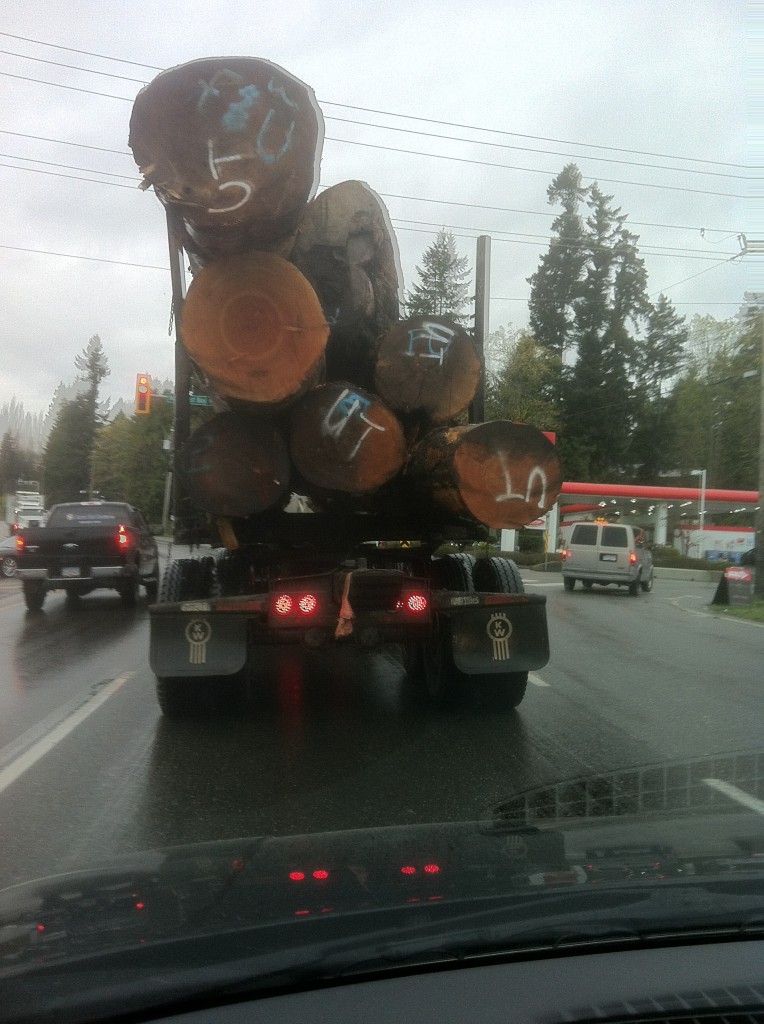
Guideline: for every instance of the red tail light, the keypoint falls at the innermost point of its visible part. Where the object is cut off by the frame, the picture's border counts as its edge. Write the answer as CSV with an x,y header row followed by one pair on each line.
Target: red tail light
x,y
19,543
632,558
565,554
288,604
122,537
416,603
308,604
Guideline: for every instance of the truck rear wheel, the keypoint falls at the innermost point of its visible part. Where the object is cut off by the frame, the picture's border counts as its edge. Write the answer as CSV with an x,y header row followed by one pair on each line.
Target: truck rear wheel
x,y
34,595
497,576
128,592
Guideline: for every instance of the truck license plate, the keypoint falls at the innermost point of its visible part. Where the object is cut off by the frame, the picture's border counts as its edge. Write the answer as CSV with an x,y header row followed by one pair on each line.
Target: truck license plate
x,y
70,570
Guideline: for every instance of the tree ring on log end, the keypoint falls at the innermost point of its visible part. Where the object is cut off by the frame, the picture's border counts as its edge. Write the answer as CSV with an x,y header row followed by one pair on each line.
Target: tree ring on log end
x,y
254,325
235,465
508,474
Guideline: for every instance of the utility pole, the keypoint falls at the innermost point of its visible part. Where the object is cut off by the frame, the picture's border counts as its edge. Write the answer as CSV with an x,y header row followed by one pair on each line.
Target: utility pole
x,y
482,308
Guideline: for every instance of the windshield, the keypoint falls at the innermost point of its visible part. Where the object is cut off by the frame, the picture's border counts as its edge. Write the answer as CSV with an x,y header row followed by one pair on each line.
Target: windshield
x,y
426,342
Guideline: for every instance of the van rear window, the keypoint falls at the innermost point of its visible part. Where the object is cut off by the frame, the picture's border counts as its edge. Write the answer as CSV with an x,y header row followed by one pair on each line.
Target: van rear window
x,y
614,537
584,535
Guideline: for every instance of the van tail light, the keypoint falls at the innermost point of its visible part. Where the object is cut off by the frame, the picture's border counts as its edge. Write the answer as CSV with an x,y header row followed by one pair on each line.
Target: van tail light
x,y
632,558
565,554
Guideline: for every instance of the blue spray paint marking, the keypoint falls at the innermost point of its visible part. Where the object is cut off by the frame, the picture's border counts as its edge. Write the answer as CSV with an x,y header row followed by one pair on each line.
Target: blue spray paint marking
x,y
262,152
236,117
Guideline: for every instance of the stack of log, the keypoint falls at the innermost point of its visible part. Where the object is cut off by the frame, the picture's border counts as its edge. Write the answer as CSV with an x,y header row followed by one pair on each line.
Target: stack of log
x,y
293,320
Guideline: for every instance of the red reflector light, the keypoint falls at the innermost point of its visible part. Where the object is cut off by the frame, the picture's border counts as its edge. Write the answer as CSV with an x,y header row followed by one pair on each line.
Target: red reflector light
x,y
431,869
408,870
308,604
40,927
283,604
321,873
416,603
297,876
139,906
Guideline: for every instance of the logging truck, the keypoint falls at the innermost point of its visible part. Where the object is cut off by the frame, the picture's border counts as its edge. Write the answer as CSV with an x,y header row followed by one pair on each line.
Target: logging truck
x,y
344,466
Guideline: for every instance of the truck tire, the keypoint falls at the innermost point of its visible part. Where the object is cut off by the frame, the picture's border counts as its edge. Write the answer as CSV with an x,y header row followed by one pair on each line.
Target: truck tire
x,y
568,582
497,576
454,572
34,594
151,587
634,587
176,697
647,585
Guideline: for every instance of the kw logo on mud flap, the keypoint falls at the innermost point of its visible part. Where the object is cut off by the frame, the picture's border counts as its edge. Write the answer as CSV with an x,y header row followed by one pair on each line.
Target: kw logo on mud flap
x,y
198,633
499,630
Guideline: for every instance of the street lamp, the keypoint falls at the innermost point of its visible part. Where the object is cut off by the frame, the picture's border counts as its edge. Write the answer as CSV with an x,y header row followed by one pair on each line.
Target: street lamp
x,y
702,474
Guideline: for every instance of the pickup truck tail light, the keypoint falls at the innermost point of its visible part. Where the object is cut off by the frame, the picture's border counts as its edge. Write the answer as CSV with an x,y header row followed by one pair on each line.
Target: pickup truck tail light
x,y
122,537
19,544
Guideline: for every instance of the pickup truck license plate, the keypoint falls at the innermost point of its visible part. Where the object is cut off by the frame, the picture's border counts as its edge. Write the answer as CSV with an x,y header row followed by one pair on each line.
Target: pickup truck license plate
x,y
70,570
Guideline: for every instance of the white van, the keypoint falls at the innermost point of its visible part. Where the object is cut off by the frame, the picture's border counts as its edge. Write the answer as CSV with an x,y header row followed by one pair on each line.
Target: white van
x,y
606,553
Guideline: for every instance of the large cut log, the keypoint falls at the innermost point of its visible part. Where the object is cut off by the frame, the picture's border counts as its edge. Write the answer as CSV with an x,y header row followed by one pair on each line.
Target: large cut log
x,y
346,247
501,474
236,465
234,143
345,439
427,365
254,326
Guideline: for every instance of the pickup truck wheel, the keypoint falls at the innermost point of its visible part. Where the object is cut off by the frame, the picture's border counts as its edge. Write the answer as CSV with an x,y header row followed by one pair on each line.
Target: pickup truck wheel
x,y
128,593
151,587
72,597
568,582
34,595
10,565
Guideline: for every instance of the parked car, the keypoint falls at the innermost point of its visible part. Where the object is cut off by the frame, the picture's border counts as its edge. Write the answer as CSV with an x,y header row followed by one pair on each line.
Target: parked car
x,y
8,558
606,553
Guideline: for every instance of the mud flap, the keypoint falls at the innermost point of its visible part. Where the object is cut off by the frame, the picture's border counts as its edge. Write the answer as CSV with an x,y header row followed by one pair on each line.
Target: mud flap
x,y
197,645
491,640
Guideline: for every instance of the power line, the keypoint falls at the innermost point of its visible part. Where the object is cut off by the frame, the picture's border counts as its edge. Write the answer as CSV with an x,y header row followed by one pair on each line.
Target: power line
x,y
545,152
416,199
418,131
413,152
692,276
410,117
532,170
677,253
76,256
72,177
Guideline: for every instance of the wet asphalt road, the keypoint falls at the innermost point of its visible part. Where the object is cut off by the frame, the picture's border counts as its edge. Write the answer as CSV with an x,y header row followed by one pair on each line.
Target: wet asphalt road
x,y
88,768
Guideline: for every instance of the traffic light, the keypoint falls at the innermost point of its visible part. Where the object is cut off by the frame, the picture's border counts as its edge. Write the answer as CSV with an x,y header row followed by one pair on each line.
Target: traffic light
x,y
142,394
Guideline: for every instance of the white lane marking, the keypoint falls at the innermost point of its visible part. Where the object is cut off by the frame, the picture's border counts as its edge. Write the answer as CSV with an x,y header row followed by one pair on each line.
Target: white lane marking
x,y
536,680
46,743
738,795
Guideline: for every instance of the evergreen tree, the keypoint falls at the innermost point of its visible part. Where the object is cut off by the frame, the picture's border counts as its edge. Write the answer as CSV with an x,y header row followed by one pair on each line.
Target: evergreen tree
x,y
443,288
10,464
525,387
555,286
66,459
68,451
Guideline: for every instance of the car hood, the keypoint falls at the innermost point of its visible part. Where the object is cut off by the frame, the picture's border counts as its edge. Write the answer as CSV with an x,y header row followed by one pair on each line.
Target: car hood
x,y
626,838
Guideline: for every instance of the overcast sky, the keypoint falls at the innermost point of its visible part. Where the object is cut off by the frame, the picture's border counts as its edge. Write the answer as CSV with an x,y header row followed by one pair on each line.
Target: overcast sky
x,y
646,97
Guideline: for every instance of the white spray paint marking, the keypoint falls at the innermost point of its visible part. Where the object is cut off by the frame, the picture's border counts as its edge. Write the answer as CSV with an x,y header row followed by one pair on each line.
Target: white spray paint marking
x,y
537,473
346,406
430,341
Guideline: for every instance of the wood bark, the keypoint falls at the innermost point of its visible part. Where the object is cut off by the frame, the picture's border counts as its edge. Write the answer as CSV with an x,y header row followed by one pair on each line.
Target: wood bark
x,y
501,474
236,465
343,438
235,143
427,365
254,326
346,247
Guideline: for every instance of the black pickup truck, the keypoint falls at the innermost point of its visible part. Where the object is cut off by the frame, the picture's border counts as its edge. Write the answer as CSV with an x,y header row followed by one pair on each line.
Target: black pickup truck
x,y
87,545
